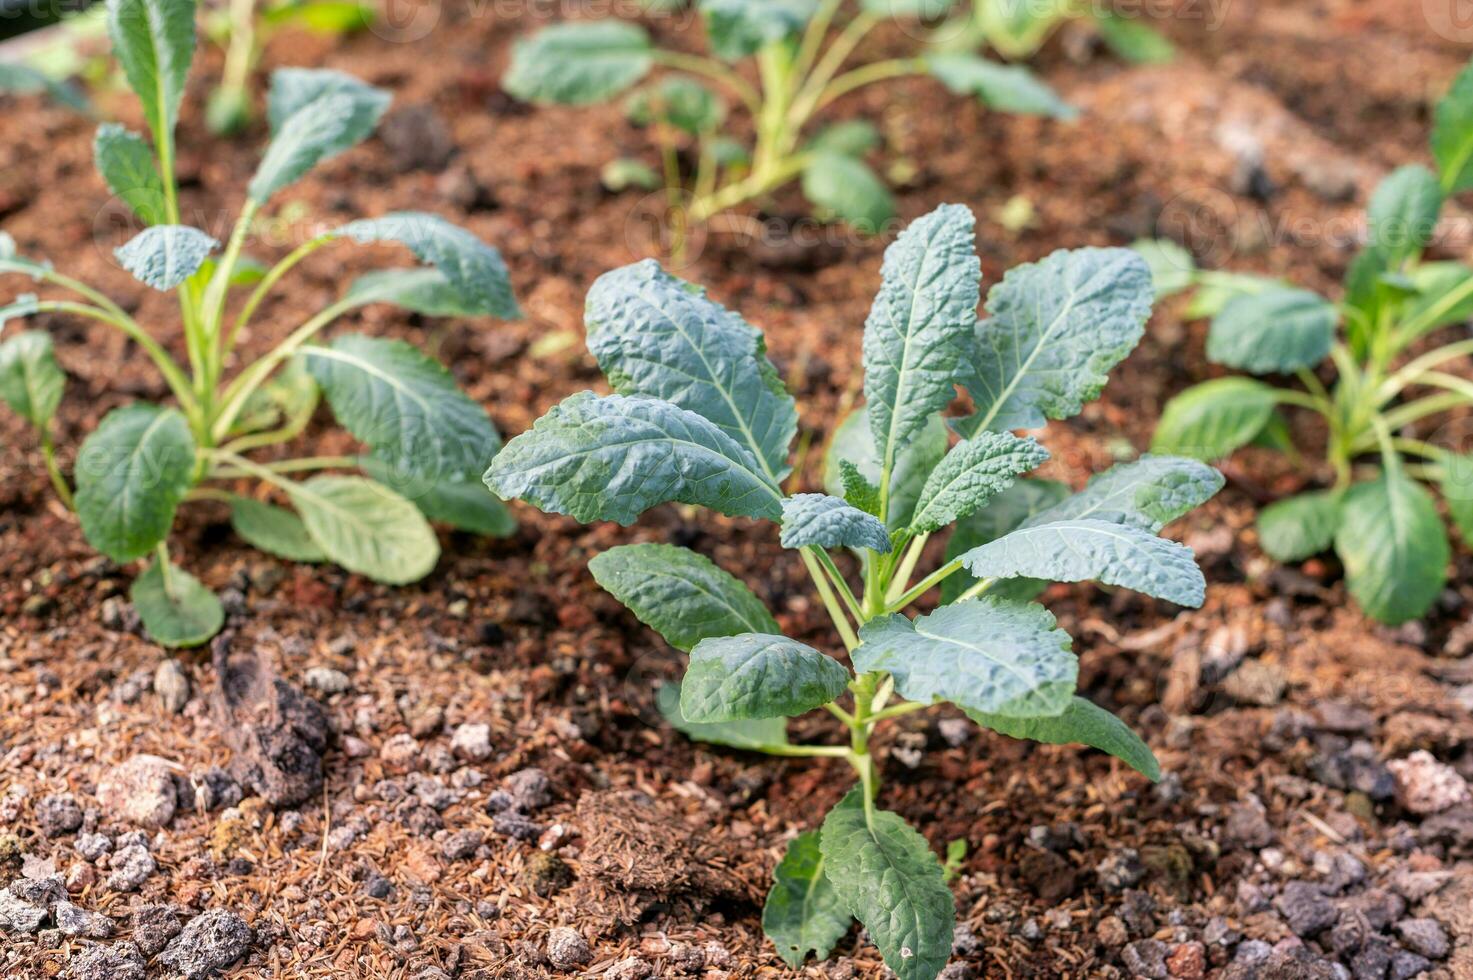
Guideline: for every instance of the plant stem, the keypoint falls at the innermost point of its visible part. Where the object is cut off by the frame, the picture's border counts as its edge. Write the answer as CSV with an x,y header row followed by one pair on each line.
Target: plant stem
x,y
830,602
1425,320
265,285
698,65
48,452
896,710
907,568
1414,369
173,374
303,465
868,75
840,584
981,586
926,584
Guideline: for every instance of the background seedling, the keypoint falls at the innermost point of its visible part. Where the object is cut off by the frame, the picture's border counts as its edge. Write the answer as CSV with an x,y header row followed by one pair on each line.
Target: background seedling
x,y
700,417
426,438
1016,29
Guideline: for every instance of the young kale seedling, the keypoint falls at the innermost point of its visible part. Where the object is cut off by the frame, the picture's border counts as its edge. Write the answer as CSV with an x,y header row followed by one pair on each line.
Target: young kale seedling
x,y
1380,521
802,52
701,417
426,437
1018,28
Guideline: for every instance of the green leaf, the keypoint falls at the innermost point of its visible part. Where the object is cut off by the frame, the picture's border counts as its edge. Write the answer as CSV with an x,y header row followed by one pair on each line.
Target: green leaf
x,y
275,530
578,63
679,101
1217,289
857,490
624,173
921,9
1434,281
324,17
1401,218
1017,28
1295,528
289,397
175,608
653,334
1172,267
1003,513
1452,134
315,114
1273,332
823,521
165,255
1081,723
132,472
1008,88
473,269
1132,40
1056,329
367,528
1088,549
405,406
1457,489
916,335
293,89
423,291
679,594
988,655
614,457
126,164
738,28
853,443
1393,546
466,504
803,912
31,381
1214,418
22,79
974,471
885,874
843,186
154,41
756,735
1149,493
757,675
852,137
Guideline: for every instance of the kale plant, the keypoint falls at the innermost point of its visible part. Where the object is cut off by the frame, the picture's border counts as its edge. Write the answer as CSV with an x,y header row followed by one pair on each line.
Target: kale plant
x,y
801,49
1384,383
426,437
1018,28
700,417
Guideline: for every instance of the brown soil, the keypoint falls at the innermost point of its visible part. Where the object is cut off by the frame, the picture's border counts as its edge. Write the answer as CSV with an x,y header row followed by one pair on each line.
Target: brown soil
x,y
665,848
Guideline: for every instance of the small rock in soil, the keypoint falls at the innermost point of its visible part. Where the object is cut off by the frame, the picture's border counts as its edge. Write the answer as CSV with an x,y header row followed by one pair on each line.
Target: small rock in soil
x,y
1120,870
19,916
630,968
1111,931
417,139
131,867
44,890
1426,786
1256,683
567,949
528,788
377,886
327,680
120,962
140,791
153,927
1187,961
1405,965
1371,963
427,721
216,789
1306,908
955,732
461,845
171,684
1146,958
1247,826
79,922
80,876
400,752
209,944
1297,963
93,846
472,742
1417,885
58,814
1424,937
1049,876
1137,911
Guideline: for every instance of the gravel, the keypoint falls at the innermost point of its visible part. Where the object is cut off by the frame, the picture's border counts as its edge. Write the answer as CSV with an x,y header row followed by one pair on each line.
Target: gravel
x,y
1425,786
58,814
208,944
131,867
1306,908
171,684
472,741
1425,937
154,926
17,915
327,680
140,791
120,962
79,922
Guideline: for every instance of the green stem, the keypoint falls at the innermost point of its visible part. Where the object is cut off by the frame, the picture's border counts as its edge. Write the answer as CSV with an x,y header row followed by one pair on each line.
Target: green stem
x,y
840,584
48,452
830,602
858,78
806,101
264,287
1414,369
1427,319
1404,415
926,584
808,751
302,465
907,568
715,70
895,711
173,374
979,587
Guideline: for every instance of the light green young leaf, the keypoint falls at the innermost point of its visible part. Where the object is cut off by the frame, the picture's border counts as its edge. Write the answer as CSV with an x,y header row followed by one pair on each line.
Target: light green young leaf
x,y
974,471
823,521
803,913
1273,332
405,406
165,255
842,185
1003,513
1434,281
654,334
679,101
1056,329
1017,28
757,675
989,655
1007,88
1217,289
21,79
857,490
1172,267
126,164
1401,217
578,63
154,41
885,874
367,528
1214,418
680,594
1149,493
1295,528
1457,490
316,115
293,89
1133,40
275,530
853,443
176,609
738,28
1084,550
624,173
1081,723
917,332
132,472
614,457
423,291
31,381
1452,134
1393,546
474,269
852,137
754,735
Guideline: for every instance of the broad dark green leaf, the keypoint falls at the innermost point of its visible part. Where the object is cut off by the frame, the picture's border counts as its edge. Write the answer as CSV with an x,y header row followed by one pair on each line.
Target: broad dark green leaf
x,y
1452,134
1457,490
1081,723
656,335
473,269
1150,493
852,137
803,913
31,381
579,63
612,458
853,443
1401,217
885,874
986,655
1295,528
1393,546
858,490
165,255
845,187
757,675
154,42
1133,40
1273,332
738,28
132,472
275,530
680,594
175,608
679,101
1004,512
20,79
422,290
1214,418
823,521
315,115
466,504
1008,88
367,528
127,165
755,735
1056,329
974,471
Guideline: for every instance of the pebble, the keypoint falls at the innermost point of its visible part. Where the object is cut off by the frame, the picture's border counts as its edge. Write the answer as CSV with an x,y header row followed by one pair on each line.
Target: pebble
x,y
58,814
630,968
131,867
1146,958
208,944
400,751
216,789
529,789
17,915
1424,937
1120,870
1405,965
461,845
120,962
1425,786
1256,683
955,732
1111,931
140,791
171,684
1306,908
80,877
1188,961
472,741
93,846
1247,826
327,680
79,922
377,886
154,926
567,949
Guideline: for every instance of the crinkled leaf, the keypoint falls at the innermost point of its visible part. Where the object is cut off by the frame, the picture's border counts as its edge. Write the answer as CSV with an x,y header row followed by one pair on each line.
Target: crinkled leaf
x,y
1172,267
1133,40
1081,723
1008,88
176,609
1008,510
885,874
154,41
757,675
315,115
1149,493
679,101
754,735
680,594
466,504
970,474
367,528
473,269
803,913
165,255
1393,546
578,63
614,457
823,521
1214,418
852,137
423,291
1273,332
1056,329
1452,134
274,530
656,335
989,655
31,381
289,397
737,28
127,165
25,80
1295,528
857,490
132,472
844,186
852,442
